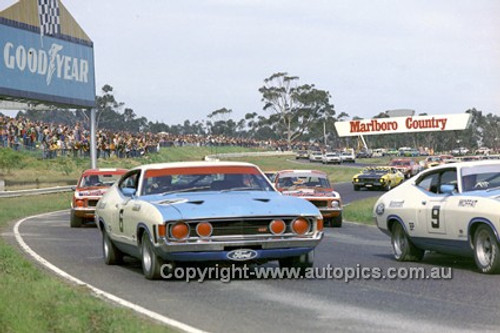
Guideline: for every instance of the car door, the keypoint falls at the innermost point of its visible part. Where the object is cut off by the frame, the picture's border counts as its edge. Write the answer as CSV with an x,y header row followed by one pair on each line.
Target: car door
x,y
433,212
128,190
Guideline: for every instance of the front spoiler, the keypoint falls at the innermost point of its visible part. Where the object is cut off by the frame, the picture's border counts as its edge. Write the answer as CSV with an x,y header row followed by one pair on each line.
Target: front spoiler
x,y
198,250
84,212
269,254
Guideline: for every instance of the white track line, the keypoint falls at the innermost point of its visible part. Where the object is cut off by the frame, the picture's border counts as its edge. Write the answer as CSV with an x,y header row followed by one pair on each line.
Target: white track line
x,y
98,292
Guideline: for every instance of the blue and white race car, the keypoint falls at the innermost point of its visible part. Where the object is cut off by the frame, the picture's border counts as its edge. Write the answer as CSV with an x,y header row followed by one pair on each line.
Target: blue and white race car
x,y
453,208
205,211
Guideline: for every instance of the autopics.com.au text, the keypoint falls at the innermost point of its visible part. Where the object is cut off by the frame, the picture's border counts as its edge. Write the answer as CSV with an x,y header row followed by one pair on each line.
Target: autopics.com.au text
x,y
241,272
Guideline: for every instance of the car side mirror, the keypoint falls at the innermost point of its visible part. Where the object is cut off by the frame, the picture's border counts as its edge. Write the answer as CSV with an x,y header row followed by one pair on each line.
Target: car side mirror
x,y
128,192
73,188
447,188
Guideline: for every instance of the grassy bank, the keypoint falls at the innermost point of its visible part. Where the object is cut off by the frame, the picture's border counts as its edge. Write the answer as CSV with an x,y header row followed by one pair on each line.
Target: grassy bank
x,y
33,301
22,170
360,211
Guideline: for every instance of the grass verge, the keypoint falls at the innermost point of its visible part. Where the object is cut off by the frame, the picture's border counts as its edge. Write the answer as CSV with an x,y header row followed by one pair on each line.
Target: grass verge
x,y
34,301
24,170
360,211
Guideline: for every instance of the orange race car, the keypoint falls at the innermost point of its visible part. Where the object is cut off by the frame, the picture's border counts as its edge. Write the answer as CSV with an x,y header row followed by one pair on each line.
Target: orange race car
x,y
93,183
315,187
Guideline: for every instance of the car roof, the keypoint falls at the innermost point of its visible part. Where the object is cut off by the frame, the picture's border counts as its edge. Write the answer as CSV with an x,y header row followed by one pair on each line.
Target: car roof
x,y
103,171
172,165
467,164
381,167
302,172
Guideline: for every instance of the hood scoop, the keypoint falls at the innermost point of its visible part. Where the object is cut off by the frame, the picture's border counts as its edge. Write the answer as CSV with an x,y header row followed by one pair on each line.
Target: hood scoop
x,y
196,202
262,199
171,201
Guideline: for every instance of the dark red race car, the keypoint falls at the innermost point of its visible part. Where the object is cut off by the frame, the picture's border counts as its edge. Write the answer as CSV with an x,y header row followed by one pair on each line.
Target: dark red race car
x,y
93,183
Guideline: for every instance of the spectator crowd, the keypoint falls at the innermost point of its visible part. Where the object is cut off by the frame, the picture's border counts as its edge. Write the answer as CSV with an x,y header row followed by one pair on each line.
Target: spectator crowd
x,y
63,140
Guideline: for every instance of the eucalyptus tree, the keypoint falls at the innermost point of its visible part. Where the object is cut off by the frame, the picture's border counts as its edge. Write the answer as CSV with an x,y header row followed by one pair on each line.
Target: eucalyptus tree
x,y
294,108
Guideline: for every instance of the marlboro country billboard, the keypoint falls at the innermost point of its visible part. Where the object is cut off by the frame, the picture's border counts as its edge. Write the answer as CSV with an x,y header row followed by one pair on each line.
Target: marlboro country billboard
x,y
403,125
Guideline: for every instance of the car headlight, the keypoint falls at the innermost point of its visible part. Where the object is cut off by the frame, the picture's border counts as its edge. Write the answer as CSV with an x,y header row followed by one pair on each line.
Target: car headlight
x,y
380,209
382,180
356,180
335,204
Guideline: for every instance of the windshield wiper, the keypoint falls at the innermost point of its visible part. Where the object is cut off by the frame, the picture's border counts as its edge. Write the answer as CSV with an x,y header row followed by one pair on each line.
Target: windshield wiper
x,y
189,189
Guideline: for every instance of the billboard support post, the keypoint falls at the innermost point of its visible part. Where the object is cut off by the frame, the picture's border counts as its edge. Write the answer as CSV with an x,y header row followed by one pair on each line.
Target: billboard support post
x,y
93,147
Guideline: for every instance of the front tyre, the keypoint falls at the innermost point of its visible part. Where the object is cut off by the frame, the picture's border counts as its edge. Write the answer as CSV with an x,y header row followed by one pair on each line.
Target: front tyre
x,y
75,221
388,186
336,222
402,247
486,250
112,256
151,263
301,262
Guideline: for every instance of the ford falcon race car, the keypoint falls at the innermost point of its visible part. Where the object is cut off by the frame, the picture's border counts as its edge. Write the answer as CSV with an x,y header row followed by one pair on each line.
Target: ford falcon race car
x,y
433,161
452,208
407,166
205,211
315,187
302,154
381,177
315,156
93,183
331,158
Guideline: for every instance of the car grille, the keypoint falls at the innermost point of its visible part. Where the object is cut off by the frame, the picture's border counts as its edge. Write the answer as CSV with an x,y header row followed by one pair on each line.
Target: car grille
x,y
242,227
92,203
319,203
369,180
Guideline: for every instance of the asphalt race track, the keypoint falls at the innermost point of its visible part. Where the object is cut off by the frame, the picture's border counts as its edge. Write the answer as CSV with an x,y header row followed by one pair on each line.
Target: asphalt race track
x,y
470,301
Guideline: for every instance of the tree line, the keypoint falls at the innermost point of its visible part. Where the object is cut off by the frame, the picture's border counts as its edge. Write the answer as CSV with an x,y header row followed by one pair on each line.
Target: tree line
x,y
293,111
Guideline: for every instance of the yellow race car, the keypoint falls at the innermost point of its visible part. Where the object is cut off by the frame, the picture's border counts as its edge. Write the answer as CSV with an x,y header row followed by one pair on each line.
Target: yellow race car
x,y
380,177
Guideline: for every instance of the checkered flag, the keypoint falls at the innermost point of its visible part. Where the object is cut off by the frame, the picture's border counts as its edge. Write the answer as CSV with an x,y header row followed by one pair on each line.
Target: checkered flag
x,y
48,13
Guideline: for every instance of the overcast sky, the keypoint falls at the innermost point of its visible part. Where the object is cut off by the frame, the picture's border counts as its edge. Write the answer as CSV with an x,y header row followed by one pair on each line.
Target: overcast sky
x,y
177,60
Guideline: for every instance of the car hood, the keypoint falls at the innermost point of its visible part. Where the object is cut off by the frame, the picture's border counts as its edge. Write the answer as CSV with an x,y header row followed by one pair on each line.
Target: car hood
x,y
370,176
306,192
229,204
95,191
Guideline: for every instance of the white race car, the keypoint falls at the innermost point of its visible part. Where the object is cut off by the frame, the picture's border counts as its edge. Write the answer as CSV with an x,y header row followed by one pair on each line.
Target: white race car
x,y
315,156
332,158
452,208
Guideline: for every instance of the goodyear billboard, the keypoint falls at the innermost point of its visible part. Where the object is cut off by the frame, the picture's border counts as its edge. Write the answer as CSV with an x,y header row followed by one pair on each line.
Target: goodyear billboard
x,y
45,57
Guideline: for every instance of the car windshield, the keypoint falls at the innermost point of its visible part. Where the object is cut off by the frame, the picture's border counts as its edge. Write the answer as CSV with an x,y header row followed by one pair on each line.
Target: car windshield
x,y
375,171
331,155
294,182
98,180
483,177
204,179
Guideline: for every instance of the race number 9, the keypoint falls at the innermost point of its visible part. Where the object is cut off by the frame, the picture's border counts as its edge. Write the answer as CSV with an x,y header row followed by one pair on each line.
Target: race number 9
x,y
435,217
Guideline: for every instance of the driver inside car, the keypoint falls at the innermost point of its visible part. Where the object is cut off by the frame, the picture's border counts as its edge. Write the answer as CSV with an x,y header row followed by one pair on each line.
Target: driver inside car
x,y
160,185
468,183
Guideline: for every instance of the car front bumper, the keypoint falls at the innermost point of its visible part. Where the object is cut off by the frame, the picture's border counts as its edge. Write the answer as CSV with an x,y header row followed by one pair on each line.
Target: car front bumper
x,y
266,248
330,212
87,212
